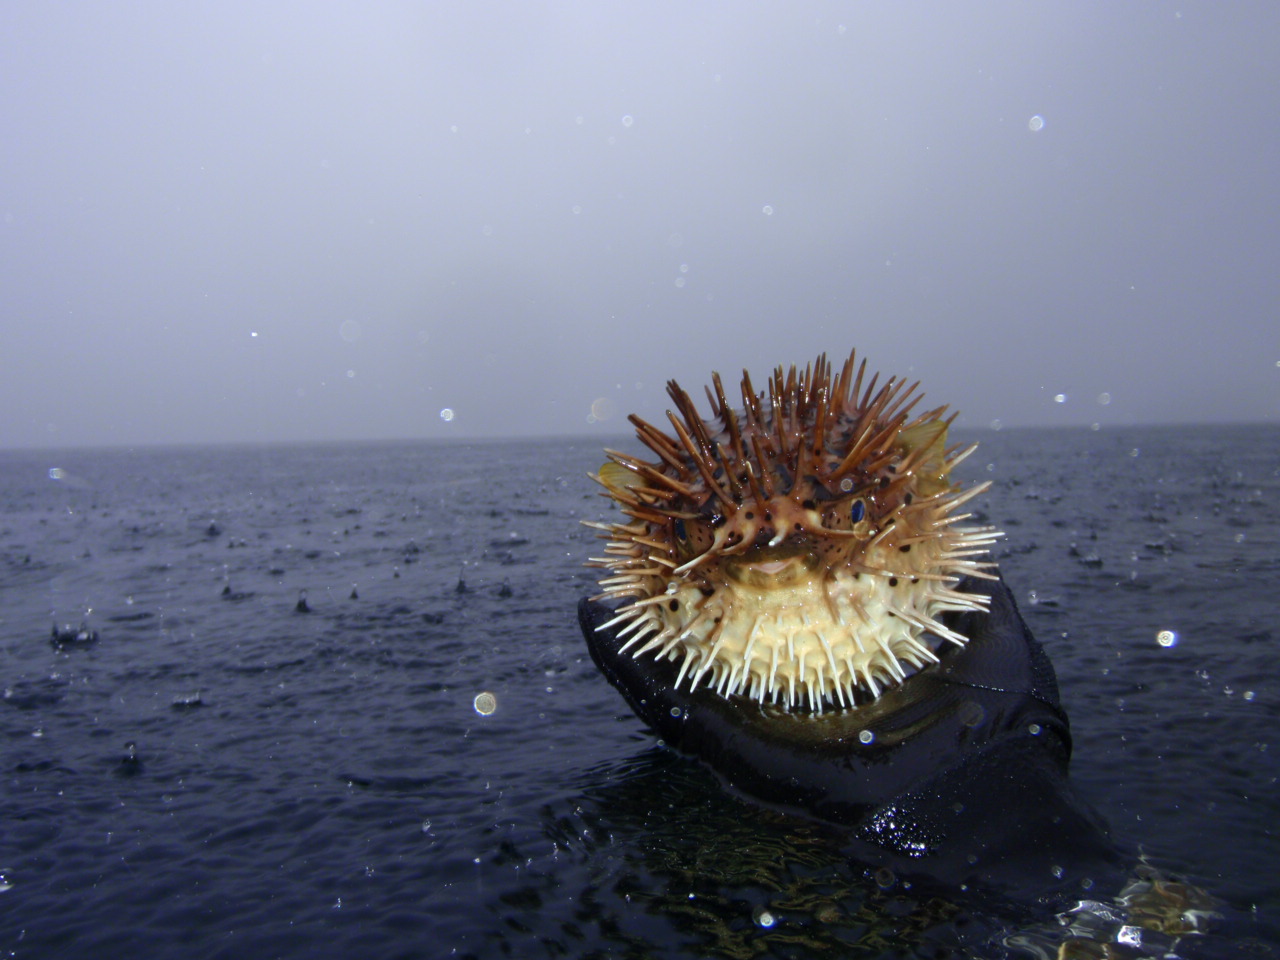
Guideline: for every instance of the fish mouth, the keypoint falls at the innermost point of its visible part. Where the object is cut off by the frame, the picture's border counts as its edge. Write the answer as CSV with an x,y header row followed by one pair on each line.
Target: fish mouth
x,y
766,567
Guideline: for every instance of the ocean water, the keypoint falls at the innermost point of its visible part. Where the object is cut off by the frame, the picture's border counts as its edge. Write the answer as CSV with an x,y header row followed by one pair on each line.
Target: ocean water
x,y
221,775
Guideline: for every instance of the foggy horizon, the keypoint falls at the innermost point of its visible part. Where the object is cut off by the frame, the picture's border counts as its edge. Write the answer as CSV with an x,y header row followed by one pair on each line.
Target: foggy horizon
x,y
297,223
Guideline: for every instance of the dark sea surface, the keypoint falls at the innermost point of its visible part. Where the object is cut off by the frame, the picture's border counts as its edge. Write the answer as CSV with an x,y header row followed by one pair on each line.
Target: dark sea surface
x,y
219,775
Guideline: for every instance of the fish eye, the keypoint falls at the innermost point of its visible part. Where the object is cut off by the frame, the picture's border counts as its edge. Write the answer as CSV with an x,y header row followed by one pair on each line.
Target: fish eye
x,y
681,533
858,510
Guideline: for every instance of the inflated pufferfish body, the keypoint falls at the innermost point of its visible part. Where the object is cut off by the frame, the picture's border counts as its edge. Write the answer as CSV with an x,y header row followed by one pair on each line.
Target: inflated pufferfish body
x,y
799,551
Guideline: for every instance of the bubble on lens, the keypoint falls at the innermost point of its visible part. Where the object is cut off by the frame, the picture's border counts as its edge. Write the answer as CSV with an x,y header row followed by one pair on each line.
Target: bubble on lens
x,y
763,918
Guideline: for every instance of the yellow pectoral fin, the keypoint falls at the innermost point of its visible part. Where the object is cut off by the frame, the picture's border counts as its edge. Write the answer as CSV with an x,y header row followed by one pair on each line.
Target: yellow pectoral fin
x,y
617,478
925,444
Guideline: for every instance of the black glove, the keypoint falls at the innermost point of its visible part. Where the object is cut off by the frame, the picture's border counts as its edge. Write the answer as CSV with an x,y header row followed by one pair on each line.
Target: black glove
x,y
961,769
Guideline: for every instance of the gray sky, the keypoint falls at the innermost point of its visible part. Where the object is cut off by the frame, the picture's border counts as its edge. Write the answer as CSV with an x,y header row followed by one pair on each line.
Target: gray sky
x,y
244,221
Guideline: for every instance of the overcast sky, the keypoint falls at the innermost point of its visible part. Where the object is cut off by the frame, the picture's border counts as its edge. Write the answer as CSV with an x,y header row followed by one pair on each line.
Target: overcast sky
x,y
297,221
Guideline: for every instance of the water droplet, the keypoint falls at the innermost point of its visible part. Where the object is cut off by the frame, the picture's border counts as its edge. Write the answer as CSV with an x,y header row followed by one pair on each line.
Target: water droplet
x,y
762,917
866,736
1104,398
1057,871
1036,123
1167,638
1060,398
767,210
971,713
446,414
485,703
627,120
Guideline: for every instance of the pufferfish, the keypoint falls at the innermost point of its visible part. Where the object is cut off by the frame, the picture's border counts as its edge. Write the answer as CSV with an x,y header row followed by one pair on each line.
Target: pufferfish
x,y
799,551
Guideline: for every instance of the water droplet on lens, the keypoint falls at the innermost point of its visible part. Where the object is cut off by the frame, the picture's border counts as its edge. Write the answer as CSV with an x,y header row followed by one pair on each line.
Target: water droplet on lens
x,y
866,736
485,703
762,918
